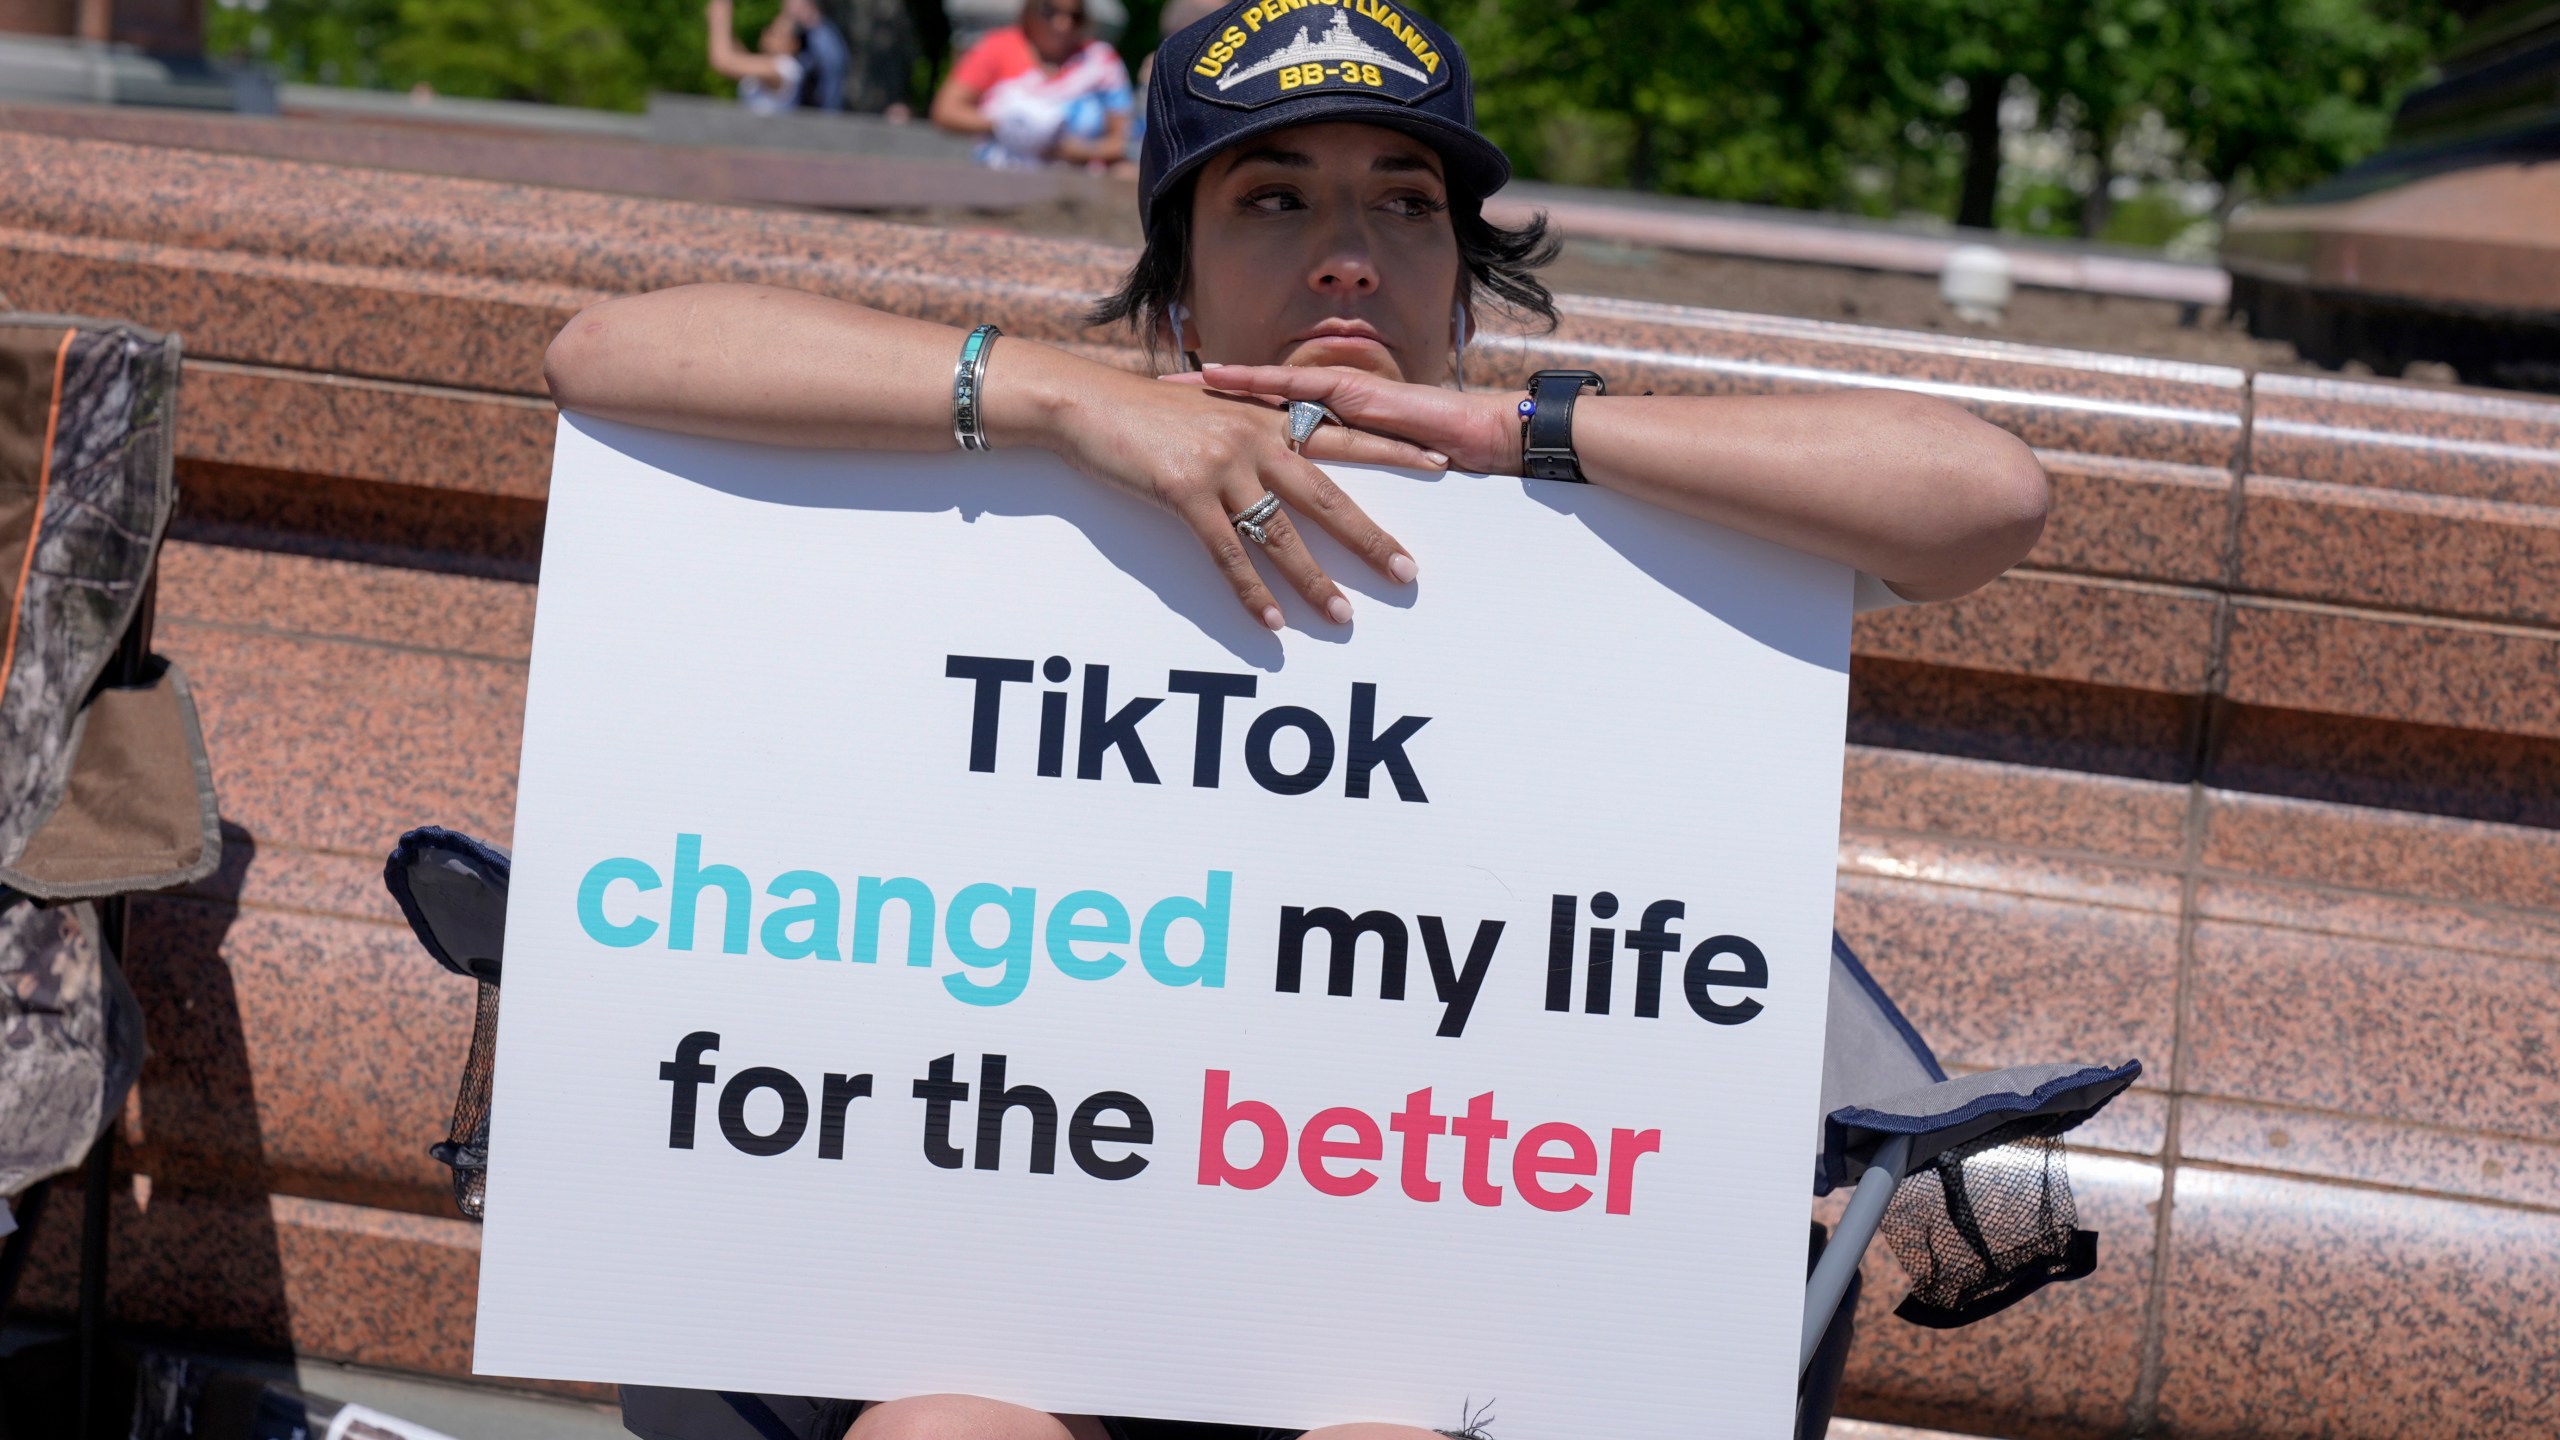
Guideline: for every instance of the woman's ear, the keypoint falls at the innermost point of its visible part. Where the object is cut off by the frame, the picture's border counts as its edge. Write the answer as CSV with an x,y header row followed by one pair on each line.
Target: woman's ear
x,y
1177,318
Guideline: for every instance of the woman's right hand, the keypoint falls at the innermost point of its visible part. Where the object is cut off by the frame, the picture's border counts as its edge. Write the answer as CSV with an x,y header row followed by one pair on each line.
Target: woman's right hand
x,y
786,367
1207,458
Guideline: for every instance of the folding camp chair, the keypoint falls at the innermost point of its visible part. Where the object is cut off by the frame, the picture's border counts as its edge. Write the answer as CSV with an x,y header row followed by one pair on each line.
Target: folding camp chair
x,y
1965,1177
104,786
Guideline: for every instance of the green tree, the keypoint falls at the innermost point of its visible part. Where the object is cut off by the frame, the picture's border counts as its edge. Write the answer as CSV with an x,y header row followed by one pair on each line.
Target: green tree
x,y
2274,94
328,42
1747,100
1881,106
2092,68
1894,105
569,52
1948,64
2114,68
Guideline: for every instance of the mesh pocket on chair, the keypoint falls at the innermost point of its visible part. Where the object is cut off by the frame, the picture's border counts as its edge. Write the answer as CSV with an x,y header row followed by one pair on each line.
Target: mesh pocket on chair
x,y
466,1146
1985,1225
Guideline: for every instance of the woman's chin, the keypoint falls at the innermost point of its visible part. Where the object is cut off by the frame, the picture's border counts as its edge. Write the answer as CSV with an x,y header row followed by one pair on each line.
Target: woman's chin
x,y
1347,352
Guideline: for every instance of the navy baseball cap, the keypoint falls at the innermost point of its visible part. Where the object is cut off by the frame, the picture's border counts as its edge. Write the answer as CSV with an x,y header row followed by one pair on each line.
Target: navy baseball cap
x,y
1262,65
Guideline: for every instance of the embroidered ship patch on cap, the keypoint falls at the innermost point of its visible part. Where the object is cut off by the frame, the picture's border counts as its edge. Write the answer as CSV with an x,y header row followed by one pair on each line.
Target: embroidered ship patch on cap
x,y
1285,49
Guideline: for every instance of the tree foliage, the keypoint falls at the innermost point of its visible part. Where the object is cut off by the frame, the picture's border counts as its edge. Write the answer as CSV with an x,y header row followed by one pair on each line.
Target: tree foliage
x,y
551,50
1880,105
2278,93
605,54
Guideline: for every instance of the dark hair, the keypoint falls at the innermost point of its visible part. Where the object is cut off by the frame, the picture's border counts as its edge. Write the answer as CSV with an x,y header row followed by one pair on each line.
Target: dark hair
x,y
1499,264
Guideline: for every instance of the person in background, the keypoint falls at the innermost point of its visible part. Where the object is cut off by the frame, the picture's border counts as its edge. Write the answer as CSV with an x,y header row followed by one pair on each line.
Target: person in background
x,y
768,76
1041,91
800,59
824,55
1176,16
883,39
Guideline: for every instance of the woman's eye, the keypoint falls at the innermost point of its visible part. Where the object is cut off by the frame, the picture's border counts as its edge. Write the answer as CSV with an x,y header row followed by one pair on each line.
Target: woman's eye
x,y
1416,207
1272,202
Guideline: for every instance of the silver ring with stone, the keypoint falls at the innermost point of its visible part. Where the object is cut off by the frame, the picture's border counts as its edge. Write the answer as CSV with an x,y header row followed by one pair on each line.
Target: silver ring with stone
x,y
1304,417
1248,521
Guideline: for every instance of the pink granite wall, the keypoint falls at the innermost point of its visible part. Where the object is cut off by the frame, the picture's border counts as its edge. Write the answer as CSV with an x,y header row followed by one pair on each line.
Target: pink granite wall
x,y
2252,771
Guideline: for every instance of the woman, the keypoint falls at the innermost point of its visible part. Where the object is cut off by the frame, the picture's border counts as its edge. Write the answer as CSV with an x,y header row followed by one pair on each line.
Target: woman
x,y
768,76
1041,91
1387,257
1312,192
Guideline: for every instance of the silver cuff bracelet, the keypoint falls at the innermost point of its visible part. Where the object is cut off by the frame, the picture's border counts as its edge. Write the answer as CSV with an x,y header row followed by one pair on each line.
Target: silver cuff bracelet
x,y
967,379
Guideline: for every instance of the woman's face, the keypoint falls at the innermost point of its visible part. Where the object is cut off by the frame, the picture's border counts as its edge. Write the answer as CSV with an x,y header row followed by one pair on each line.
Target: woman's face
x,y
1056,28
1325,244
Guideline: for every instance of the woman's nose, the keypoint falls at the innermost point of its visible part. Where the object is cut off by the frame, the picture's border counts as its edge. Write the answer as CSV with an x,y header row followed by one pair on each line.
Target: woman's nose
x,y
1344,274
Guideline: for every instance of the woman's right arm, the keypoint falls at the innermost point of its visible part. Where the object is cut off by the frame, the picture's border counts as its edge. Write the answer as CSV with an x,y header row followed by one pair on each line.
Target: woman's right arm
x,y
785,367
727,56
956,108
782,367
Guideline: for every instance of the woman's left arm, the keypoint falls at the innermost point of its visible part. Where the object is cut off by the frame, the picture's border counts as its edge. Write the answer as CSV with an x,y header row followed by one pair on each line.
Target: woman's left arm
x,y
1913,490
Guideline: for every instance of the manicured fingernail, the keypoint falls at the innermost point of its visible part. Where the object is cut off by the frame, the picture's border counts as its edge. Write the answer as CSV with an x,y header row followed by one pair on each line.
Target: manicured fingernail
x,y
1401,567
1436,458
1272,618
1339,609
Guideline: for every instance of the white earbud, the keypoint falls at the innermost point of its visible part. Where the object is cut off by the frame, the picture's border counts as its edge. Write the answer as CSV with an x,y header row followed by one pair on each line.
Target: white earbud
x,y
1458,330
1179,317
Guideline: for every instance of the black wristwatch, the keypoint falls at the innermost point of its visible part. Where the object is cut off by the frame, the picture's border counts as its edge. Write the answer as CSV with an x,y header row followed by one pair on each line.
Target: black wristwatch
x,y
1546,423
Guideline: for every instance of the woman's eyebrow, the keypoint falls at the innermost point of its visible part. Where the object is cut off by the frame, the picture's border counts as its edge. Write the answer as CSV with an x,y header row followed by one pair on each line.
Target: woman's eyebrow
x,y
1271,155
1401,164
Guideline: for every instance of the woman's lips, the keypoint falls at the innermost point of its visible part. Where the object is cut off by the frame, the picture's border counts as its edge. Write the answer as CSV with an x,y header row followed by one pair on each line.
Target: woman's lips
x,y
1358,351
1339,330
1347,352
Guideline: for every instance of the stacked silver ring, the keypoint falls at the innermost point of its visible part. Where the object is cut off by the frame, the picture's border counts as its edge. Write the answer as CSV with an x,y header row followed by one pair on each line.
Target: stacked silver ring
x,y
1248,521
1304,417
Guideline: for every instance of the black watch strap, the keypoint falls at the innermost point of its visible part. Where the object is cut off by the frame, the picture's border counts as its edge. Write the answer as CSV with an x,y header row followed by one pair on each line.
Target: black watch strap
x,y
1546,423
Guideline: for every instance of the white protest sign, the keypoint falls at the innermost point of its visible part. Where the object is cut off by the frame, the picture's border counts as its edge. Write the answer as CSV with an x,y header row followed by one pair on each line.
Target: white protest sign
x,y
930,962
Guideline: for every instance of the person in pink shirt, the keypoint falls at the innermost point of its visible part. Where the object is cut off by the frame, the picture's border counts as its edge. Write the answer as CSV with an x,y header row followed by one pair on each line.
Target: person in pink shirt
x,y
1042,91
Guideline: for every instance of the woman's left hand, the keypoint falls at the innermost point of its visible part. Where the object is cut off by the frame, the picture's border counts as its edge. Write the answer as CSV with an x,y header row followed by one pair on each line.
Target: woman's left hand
x,y
1476,431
